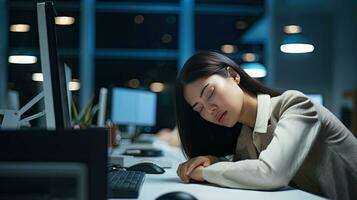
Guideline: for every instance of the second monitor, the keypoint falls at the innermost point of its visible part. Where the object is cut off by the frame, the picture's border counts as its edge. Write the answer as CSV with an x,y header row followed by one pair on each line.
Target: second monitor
x,y
133,107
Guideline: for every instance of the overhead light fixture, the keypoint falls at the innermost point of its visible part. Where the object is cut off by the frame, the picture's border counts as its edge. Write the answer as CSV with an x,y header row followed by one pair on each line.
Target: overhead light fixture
x,y
292,29
22,59
37,77
228,48
166,38
139,19
296,44
74,85
249,57
157,87
134,83
20,28
241,25
255,70
64,20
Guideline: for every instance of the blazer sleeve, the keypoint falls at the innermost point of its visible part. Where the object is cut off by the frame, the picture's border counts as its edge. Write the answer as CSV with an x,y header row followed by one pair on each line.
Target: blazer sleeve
x,y
295,132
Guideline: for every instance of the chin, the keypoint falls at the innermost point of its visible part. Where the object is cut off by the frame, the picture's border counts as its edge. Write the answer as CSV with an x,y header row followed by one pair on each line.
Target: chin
x,y
230,125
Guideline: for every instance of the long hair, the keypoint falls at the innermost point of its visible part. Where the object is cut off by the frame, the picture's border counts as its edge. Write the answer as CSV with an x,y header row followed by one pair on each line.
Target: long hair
x,y
198,136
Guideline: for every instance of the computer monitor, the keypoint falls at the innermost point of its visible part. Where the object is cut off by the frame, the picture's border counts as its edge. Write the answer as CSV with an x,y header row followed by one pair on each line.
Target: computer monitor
x,y
46,148
54,82
102,104
133,107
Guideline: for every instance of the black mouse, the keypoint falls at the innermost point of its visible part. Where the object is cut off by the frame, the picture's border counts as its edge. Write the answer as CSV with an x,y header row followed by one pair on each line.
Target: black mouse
x,y
147,167
176,196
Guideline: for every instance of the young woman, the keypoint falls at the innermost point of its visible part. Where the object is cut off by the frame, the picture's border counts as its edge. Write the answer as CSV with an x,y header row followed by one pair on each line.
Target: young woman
x,y
238,133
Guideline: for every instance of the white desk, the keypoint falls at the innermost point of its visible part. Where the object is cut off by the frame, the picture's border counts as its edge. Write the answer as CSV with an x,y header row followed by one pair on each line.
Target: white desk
x,y
158,184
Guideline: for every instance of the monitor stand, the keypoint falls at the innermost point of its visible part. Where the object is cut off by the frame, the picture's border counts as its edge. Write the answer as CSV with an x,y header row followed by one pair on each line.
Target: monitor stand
x,y
12,118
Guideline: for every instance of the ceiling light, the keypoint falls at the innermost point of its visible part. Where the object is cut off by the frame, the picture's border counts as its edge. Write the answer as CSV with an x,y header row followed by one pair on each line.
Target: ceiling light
x,y
64,20
134,83
241,25
227,48
21,28
37,77
296,44
292,29
255,70
139,19
166,38
249,57
157,87
22,59
74,85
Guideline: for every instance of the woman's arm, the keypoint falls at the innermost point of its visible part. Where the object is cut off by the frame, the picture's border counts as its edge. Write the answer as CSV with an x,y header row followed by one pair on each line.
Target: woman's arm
x,y
293,137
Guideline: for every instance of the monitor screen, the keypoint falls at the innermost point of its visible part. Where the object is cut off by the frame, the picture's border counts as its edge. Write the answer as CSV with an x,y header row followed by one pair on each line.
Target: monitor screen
x,y
54,82
133,107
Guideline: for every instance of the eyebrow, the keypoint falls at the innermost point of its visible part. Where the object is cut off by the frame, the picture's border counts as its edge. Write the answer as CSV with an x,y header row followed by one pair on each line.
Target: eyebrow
x,y
203,89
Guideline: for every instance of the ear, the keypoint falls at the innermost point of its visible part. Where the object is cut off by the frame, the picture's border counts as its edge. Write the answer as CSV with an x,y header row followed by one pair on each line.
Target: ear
x,y
234,74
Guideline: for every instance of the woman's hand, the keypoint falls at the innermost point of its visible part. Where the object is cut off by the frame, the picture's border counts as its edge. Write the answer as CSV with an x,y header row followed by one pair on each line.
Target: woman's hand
x,y
196,174
185,169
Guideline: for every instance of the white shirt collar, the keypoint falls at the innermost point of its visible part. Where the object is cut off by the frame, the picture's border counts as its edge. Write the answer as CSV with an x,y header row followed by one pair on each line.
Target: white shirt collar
x,y
263,113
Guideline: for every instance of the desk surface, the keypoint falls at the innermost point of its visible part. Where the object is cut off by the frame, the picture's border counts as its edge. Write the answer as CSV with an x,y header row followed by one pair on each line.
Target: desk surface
x,y
158,184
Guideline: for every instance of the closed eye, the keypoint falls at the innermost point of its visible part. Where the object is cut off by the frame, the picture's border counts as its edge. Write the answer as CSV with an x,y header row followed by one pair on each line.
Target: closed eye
x,y
210,92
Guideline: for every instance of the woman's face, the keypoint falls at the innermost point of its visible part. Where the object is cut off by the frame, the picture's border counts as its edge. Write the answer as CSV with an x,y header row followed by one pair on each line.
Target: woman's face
x,y
217,99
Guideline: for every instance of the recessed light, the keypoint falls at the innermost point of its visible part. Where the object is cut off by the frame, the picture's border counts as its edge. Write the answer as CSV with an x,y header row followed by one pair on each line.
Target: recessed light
x,y
134,83
139,19
292,29
228,48
297,48
74,85
21,28
241,25
37,77
166,38
22,59
249,57
64,20
157,87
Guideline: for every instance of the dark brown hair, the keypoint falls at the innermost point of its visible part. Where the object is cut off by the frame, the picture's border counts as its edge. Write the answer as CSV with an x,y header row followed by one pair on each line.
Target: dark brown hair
x,y
198,136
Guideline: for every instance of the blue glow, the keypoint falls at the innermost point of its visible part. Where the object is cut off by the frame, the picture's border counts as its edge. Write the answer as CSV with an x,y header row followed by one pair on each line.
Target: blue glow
x,y
254,69
316,98
296,44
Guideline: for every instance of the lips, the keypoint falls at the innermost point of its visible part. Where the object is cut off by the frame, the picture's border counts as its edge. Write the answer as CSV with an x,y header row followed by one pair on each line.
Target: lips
x,y
221,116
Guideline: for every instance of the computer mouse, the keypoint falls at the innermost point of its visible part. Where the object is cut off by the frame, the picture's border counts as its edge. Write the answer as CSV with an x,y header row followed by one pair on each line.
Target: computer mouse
x,y
147,167
176,196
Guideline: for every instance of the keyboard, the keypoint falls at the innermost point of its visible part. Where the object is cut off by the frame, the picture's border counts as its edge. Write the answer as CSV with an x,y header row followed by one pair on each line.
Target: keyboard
x,y
125,184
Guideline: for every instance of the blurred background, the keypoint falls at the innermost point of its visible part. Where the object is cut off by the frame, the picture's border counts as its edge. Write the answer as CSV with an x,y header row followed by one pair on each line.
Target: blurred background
x,y
307,45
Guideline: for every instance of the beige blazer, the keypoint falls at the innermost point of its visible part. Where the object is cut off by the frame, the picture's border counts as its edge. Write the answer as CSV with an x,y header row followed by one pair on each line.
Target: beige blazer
x,y
294,141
